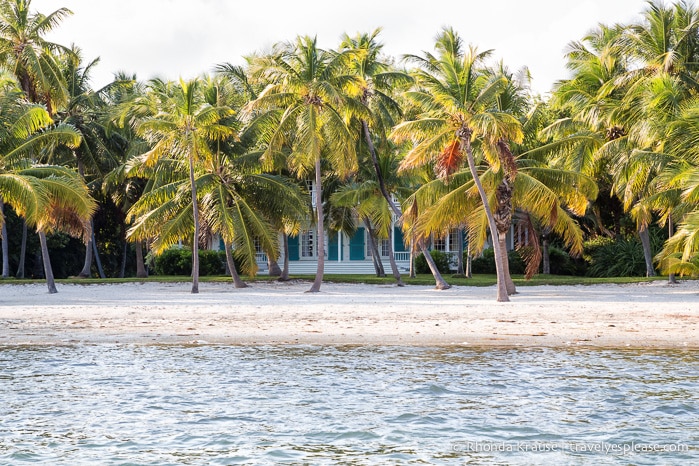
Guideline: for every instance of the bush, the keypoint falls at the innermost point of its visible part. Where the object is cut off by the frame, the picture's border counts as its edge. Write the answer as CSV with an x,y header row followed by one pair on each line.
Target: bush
x,y
212,262
615,258
178,261
440,258
486,262
562,264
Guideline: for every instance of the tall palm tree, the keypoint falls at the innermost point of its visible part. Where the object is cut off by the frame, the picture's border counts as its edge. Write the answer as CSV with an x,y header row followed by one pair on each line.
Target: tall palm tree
x,y
49,198
85,110
182,127
307,85
457,99
33,60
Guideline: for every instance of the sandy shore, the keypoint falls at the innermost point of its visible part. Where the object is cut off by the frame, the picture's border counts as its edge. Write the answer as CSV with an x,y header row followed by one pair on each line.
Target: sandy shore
x,y
651,315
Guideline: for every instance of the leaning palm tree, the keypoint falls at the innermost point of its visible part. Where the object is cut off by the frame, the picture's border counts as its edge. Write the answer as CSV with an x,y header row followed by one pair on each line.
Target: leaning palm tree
x,y
457,99
182,126
307,86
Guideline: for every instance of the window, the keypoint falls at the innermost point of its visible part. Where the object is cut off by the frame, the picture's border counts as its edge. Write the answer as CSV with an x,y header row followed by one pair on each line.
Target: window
x,y
439,244
383,247
453,241
308,244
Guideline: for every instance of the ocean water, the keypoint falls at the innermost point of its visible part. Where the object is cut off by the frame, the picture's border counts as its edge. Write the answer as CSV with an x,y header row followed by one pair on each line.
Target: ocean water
x,y
221,405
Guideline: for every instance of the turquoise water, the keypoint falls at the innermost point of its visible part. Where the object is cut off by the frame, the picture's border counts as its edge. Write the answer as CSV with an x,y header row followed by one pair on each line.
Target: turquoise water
x,y
99,404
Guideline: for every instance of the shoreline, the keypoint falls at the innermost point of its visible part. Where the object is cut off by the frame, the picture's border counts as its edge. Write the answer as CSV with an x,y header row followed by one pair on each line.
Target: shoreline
x,y
651,315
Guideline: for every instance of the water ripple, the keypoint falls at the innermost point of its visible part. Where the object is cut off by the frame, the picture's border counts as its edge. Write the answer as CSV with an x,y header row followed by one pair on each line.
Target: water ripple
x,y
130,404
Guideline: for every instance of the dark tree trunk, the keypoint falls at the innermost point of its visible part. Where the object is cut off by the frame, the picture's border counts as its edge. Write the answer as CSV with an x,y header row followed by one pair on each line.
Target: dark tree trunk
x,y
122,269
412,257
392,260
375,254
647,253
315,288
460,252
96,253
468,261
195,240
141,271
48,271
5,246
285,271
238,283
545,256
671,232
273,267
22,251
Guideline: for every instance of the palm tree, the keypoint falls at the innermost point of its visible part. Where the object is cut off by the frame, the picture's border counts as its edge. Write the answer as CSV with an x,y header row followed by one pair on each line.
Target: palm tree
x,y
49,198
307,85
181,127
32,59
235,202
457,101
85,110
376,86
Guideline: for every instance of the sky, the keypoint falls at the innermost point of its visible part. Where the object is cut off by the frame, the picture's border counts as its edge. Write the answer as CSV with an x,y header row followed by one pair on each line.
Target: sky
x,y
185,38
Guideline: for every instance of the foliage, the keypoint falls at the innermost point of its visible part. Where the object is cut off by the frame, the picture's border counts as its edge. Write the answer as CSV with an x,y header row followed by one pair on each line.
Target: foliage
x,y
441,259
178,261
622,257
486,262
562,264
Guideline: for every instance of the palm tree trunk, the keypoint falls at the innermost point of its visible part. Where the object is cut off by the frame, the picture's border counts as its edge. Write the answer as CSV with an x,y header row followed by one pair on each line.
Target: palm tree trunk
x,y
375,254
412,257
87,264
460,252
546,257
465,137
468,261
48,271
273,267
503,221
96,254
647,253
141,271
440,283
195,240
320,242
285,271
238,283
392,260
671,231
509,284
122,269
5,246
22,251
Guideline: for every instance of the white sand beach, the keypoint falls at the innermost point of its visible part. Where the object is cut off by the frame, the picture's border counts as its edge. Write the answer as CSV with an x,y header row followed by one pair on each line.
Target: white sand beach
x,y
649,315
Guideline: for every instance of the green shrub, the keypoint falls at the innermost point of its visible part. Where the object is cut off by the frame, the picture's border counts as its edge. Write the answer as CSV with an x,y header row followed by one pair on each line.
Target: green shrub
x,y
440,258
212,262
615,258
562,264
486,262
178,261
